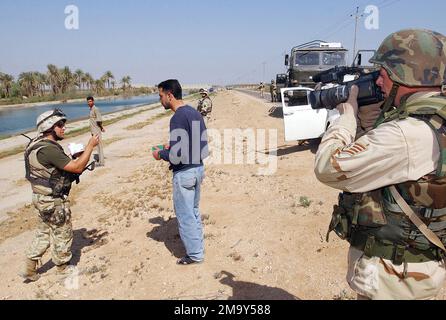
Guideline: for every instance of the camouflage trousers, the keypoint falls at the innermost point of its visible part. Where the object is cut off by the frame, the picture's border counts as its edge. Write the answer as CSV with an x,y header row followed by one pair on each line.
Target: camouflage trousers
x,y
54,230
379,279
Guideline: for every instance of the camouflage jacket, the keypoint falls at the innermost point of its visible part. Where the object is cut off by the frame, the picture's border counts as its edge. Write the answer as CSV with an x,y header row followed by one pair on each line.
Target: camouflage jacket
x,y
393,153
204,106
404,152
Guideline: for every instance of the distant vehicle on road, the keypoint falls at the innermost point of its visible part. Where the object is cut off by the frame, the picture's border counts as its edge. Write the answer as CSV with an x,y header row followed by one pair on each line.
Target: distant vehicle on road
x,y
301,122
281,82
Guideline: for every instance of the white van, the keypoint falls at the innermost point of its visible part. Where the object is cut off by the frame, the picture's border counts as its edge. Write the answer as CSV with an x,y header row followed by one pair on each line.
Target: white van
x,y
300,120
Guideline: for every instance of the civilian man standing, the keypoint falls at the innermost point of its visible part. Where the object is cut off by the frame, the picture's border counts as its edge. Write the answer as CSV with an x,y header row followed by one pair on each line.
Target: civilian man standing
x,y
96,128
187,149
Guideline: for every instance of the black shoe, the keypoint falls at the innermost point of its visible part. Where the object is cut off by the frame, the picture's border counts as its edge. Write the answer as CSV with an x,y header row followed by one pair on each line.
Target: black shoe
x,y
186,260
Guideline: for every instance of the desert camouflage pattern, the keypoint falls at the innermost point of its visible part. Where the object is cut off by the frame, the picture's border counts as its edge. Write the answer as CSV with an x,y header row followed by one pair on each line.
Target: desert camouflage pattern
x,y
273,91
414,57
54,230
205,106
50,122
261,89
426,194
430,190
380,279
410,152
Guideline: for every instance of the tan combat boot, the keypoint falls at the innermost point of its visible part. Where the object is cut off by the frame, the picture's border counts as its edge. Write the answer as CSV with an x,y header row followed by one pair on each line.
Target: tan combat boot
x,y
30,272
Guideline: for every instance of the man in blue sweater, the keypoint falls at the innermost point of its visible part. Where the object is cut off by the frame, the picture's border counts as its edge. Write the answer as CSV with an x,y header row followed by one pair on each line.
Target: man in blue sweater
x,y
186,151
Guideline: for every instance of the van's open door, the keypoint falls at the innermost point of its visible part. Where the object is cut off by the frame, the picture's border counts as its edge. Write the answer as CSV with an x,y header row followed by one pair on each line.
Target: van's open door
x,y
301,121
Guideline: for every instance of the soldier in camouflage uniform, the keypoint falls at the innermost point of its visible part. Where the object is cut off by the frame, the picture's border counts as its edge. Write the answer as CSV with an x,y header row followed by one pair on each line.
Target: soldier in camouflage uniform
x,y
393,208
261,89
205,105
51,172
273,89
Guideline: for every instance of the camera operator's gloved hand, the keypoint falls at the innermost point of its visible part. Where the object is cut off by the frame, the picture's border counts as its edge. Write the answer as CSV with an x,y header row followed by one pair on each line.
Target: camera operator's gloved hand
x,y
368,115
351,105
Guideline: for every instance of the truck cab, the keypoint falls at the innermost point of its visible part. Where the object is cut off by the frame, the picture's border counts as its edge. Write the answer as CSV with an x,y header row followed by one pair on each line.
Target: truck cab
x,y
311,58
301,122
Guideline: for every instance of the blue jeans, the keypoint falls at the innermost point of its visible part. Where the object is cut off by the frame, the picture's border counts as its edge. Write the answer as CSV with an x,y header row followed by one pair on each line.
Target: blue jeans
x,y
186,200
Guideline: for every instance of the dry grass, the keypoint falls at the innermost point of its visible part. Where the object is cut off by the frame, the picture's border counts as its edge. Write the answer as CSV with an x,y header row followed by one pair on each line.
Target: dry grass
x,y
149,121
112,140
12,152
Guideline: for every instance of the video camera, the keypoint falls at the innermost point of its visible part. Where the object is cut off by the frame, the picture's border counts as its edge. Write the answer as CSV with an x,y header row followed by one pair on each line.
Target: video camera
x,y
369,92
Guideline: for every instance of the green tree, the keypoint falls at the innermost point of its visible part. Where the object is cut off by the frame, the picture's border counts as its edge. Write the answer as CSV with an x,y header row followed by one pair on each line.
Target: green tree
x,y
89,80
79,78
126,83
7,82
99,86
54,78
41,82
108,75
67,79
28,83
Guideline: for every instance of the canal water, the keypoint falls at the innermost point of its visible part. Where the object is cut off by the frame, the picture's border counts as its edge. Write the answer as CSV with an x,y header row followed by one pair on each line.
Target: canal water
x,y
19,120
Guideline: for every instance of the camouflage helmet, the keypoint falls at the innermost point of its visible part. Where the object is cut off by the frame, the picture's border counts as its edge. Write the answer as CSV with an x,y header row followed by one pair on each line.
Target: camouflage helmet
x,y
414,57
48,119
203,91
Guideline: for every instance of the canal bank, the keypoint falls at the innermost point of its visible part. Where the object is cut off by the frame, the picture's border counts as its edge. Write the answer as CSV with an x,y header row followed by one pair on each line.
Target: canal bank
x,y
19,120
16,144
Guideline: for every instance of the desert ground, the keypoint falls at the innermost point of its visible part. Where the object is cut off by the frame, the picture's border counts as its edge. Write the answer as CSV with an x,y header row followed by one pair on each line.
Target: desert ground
x,y
264,234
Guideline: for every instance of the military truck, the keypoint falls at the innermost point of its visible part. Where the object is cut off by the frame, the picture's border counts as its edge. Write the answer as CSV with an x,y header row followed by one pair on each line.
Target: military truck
x,y
313,57
281,82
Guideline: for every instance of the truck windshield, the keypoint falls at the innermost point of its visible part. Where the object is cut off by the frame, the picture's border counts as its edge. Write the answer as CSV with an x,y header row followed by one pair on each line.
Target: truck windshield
x,y
333,58
307,59
281,79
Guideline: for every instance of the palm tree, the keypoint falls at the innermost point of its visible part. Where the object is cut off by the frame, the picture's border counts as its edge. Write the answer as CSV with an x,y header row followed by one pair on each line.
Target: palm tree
x,y
54,78
28,83
66,79
7,81
126,82
107,76
41,82
79,78
88,79
99,86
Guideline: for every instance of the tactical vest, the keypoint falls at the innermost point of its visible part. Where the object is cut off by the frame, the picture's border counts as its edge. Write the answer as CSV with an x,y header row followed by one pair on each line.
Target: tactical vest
x,y
374,223
45,181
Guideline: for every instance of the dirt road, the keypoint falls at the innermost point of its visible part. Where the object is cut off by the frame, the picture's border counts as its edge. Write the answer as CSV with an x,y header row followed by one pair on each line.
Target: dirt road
x,y
264,234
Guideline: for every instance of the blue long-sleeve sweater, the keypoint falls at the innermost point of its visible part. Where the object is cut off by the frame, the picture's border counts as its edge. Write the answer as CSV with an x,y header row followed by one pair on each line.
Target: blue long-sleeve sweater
x,y
188,140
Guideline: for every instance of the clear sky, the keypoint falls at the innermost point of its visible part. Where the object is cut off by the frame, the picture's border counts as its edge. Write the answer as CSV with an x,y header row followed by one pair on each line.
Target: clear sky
x,y
195,41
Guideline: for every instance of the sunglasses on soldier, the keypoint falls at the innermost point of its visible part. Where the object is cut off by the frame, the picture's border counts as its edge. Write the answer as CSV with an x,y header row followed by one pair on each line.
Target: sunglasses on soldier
x,y
60,124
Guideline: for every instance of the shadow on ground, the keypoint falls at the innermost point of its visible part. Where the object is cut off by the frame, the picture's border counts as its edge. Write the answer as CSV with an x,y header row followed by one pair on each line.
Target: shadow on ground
x,y
242,290
82,238
304,145
276,112
167,232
